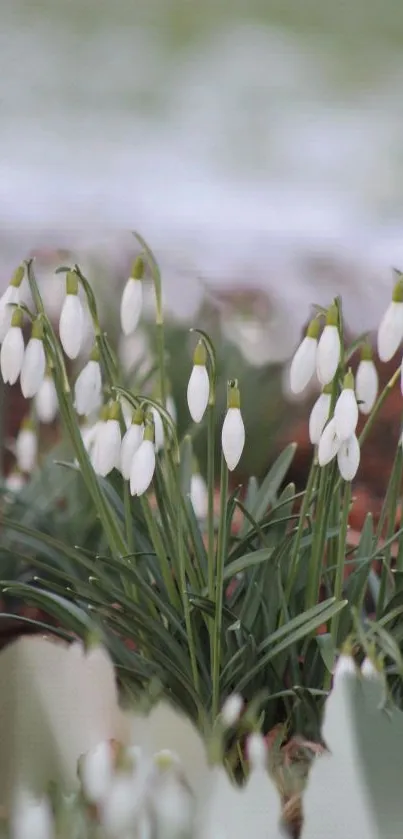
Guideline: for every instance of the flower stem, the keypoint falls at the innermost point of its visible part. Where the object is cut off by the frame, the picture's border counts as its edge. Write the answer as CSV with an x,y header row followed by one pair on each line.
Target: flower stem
x,y
219,589
301,524
341,556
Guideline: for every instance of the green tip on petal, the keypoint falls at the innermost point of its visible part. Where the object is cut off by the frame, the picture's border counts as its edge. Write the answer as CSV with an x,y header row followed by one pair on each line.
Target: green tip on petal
x,y
104,413
366,352
37,329
149,433
17,318
348,383
138,268
328,389
397,294
18,276
332,315
71,283
313,329
95,354
195,466
28,424
233,394
200,354
138,417
114,412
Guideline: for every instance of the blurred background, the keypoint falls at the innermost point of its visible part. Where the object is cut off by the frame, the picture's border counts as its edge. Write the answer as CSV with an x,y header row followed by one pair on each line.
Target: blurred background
x,y
256,144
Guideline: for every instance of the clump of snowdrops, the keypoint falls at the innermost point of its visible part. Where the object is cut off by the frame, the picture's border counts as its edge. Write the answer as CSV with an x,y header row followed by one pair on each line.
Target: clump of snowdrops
x,y
202,604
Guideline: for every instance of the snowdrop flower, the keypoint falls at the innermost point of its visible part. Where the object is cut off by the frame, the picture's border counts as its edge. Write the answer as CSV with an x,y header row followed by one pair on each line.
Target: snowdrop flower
x,y
31,818
88,387
233,430
328,352
171,408
199,384
131,442
231,710
143,463
12,295
345,666
171,800
390,332
34,363
346,410
366,381
15,481
71,324
26,447
303,364
348,458
158,429
12,349
96,769
329,444
199,496
89,431
319,415
46,404
132,299
120,806
256,751
105,454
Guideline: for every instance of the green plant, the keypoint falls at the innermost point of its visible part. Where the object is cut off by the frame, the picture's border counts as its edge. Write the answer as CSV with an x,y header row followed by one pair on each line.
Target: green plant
x,y
199,610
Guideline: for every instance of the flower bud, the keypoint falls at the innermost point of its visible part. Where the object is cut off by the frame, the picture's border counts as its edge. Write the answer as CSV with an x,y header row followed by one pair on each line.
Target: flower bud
x,y
131,442
71,324
304,361
348,458
34,362
231,710
199,384
328,352
346,410
132,299
319,416
88,387
12,349
26,447
143,463
366,382
233,430
12,295
46,404
329,444
199,496
390,332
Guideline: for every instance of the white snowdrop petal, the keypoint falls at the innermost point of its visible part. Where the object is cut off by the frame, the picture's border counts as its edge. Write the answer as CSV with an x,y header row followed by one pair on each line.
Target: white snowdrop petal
x,y
12,355
348,458
31,818
171,408
198,392
33,368
318,417
88,389
303,364
346,414
390,332
329,444
328,354
199,496
231,710
15,482
158,429
96,772
119,810
26,450
130,443
11,295
46,403
131,305
233,437
366,386
345,666
106,449
71,325
143,466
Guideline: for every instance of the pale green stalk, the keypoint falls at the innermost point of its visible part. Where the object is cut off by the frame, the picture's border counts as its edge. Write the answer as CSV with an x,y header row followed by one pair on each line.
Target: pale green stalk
x,y
341,556
219,589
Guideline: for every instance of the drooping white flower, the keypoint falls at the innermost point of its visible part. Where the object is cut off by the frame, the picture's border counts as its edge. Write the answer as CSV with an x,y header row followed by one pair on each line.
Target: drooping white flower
x,y
96,769
120,808
12,295
303,364
158,429
390,332
88,387
12,349
328,352
105,454
346,410
31,818
34,363
231,710
345,667
71,324
26,447
46,404
233,430
348,458
171,801
329,443
319,416
366,382
199,384
15,481
89,431
131,442
199,496
132,299
143,463
369,670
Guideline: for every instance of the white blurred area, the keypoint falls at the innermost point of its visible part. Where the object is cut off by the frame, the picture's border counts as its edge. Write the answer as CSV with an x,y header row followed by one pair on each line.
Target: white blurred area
x,y
249,152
